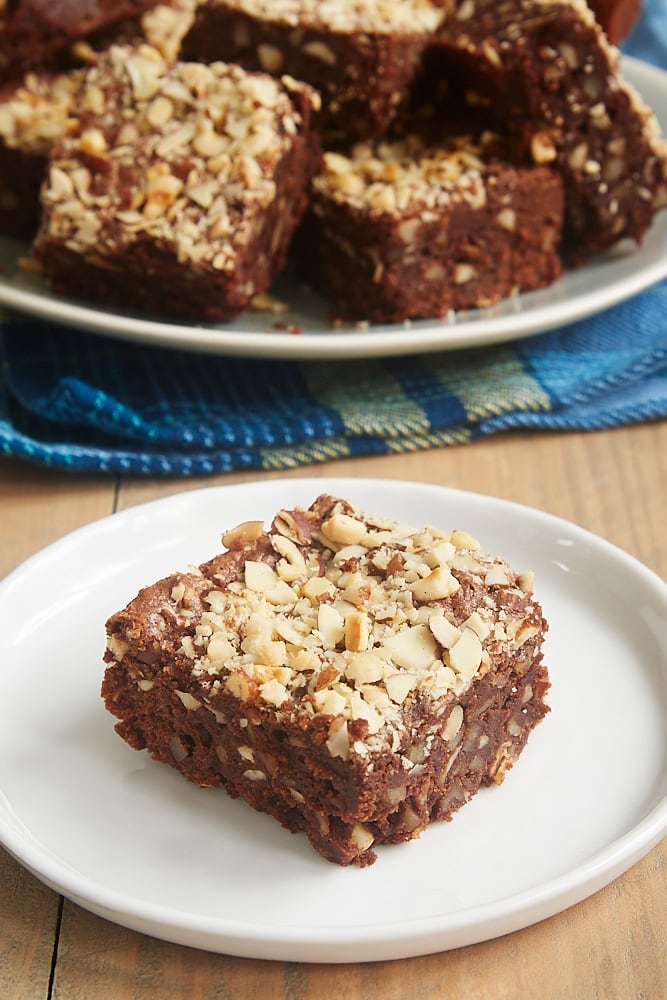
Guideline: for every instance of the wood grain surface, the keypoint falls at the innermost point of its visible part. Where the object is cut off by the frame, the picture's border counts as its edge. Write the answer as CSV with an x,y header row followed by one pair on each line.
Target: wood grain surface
x,y
612,946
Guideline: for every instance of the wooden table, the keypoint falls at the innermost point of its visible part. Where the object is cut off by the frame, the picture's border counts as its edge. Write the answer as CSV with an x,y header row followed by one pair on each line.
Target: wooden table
x,y
611,946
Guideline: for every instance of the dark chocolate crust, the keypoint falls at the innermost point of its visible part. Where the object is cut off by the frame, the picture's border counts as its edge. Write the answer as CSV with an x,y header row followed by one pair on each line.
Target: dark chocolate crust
x,y
350,775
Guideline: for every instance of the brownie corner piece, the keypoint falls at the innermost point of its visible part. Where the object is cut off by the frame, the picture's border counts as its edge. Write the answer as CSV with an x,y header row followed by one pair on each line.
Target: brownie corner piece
x,y
546,73
178,187
354,677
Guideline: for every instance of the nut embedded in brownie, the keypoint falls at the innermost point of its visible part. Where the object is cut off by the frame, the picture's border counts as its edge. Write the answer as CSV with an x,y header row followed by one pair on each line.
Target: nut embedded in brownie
x,y
36,110
354,677
162,25
178,187
165,25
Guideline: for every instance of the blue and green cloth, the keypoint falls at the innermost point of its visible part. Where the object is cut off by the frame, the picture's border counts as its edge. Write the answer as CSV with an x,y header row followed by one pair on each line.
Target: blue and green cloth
x,y
71,400
81,402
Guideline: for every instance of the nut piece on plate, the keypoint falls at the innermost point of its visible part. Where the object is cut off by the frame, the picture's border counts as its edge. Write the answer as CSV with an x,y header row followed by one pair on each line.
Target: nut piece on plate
x,y
178,187
306,670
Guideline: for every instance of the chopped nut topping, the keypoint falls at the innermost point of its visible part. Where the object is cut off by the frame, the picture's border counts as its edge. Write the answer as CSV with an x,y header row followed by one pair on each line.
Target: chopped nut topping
x,y
351,616
386,176
196,146
347,15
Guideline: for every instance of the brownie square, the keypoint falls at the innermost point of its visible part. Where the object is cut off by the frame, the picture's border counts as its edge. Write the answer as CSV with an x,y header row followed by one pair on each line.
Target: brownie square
x,y
178,187
353,677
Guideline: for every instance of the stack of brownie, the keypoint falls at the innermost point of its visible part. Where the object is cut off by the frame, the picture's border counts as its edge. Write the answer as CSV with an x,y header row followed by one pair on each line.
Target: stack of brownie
x,y
413,157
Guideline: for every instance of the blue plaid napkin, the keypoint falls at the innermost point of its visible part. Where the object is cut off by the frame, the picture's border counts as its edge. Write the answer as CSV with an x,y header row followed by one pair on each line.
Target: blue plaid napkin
x,y
75,401
89,403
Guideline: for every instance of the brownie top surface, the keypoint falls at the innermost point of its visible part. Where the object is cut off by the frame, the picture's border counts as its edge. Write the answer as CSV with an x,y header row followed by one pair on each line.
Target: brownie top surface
x,y
184,153
336,613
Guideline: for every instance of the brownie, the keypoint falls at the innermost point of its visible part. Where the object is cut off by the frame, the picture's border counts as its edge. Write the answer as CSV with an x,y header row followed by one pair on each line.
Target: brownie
x,y
34,113
397,231
178,187
544,71
353,677
35,33
361,56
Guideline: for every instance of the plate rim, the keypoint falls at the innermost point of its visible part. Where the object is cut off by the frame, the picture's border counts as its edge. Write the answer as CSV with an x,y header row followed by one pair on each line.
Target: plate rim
x,y
380,940
413,337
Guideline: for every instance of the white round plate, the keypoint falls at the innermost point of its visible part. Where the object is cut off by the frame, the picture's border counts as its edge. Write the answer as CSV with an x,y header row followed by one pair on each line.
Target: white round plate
x,y
606,280
134,842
